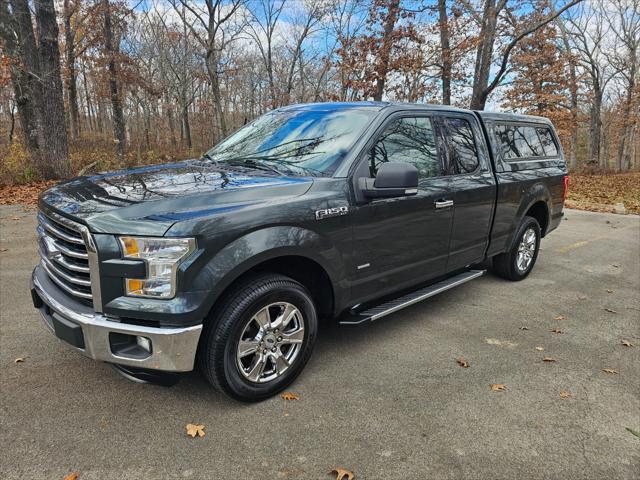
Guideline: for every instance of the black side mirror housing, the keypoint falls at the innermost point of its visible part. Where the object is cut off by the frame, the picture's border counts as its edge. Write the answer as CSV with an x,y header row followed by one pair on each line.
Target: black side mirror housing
x,y
394,179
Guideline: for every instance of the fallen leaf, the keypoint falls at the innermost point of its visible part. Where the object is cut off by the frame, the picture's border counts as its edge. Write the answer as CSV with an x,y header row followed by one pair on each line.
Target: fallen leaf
x,y
559,317
4,249
193,430
556,330
565,394
290,396
19,360
609,290
610,310
72,476
610,370
342,474
540,349
582,297
615,265
632,431
498,387
15,219
462,362
627,343
524,328
548,359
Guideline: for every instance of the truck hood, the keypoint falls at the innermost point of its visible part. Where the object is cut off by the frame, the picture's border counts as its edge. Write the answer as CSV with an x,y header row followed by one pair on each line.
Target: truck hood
x,y
149,200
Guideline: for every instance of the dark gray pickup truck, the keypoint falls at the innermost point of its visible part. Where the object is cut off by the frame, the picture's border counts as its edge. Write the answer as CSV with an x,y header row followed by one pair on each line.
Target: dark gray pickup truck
x,y
347,211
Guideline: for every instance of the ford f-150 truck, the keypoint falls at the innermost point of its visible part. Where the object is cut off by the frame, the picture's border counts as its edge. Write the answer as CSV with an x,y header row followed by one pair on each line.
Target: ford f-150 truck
x,y
347,211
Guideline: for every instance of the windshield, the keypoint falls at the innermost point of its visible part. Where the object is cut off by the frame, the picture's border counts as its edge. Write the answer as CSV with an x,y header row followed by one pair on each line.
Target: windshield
x,y
297,142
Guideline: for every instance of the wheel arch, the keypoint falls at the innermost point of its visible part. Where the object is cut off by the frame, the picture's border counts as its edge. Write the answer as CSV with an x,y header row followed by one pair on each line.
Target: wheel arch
x,y
296,252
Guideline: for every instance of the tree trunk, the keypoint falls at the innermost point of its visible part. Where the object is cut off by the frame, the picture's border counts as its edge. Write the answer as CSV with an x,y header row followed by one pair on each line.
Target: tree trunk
x,y
186,126
111,51
16,30
484,56
623,155
212,70
445,49
595,126
382,64
56,164
71,80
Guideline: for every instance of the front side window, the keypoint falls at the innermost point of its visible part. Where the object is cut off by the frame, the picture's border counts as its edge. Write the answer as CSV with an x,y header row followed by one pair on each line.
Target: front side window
x,y
520,141
410,140
295,141
463,152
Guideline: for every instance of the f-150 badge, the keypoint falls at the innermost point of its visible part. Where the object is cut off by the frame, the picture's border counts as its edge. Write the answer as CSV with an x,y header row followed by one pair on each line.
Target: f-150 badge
x,y
331,212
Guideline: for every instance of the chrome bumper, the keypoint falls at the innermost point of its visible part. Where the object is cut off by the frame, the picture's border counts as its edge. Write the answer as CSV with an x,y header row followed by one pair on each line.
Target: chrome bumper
x,y
172,349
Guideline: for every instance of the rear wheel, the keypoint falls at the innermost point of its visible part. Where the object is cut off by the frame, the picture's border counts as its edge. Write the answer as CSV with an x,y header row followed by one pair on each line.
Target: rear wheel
x,y
517,263
260,339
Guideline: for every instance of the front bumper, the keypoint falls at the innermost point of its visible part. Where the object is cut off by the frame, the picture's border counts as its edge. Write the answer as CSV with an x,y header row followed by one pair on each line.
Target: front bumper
x,y
102,338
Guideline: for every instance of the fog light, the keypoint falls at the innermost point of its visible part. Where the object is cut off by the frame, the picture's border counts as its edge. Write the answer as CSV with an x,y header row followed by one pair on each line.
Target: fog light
x,y
144,343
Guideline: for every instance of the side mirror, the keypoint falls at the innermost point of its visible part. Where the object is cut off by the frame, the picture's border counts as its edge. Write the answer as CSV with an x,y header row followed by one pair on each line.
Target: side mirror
x,y
394,179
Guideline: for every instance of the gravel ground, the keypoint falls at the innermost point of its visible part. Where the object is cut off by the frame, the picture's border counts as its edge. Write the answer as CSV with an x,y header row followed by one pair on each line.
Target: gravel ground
x,y
386,401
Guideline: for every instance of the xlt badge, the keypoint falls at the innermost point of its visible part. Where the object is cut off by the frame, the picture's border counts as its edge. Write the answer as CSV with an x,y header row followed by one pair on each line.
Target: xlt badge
x,y
331,212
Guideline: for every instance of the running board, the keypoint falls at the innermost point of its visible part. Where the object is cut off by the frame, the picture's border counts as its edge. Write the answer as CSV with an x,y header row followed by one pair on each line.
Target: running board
x,y
410,298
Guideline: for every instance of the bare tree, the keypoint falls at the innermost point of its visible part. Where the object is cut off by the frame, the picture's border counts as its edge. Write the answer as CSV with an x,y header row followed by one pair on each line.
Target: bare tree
x,y
483,85
214,27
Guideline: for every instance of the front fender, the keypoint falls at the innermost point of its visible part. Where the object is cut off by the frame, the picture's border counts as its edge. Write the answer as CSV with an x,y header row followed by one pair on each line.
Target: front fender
x,y
256,247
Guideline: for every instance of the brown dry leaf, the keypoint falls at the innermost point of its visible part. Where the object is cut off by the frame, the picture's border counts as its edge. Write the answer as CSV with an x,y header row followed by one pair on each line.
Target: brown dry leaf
x,y
524,328
582,297
498,387
72,476
15,218
610,370
548,359
540,349
627,343
193,430
290,396
610,310
565,394
4,249
342,473
560,317
19,360
609,290
615,265
462,362
556,330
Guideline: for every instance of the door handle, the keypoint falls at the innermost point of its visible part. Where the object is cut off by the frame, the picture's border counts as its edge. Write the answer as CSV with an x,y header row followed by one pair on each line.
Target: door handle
x,y
443,203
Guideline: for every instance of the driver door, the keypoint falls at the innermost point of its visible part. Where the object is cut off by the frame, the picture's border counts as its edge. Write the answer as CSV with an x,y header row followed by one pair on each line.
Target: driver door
x,y
403,241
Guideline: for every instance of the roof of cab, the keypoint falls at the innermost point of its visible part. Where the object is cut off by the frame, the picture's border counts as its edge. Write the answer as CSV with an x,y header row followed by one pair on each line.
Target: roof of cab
x,y
397,106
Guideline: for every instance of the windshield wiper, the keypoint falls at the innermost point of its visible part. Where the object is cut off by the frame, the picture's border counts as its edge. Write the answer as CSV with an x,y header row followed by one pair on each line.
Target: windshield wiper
x,y
252,163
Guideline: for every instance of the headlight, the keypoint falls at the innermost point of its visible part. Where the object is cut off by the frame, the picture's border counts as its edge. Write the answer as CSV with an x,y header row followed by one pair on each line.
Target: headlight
x,y
163,256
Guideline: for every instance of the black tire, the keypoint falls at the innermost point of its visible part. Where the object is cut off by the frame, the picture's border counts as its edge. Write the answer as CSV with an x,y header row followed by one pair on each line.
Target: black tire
x,y
222,333
505,265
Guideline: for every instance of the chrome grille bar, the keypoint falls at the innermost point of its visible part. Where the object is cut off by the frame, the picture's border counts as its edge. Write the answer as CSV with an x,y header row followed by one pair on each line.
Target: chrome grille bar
x,y
68,256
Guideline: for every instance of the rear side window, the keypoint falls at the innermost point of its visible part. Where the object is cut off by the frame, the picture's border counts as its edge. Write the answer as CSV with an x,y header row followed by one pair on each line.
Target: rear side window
x,y
410,140
463,152
523,141
548,144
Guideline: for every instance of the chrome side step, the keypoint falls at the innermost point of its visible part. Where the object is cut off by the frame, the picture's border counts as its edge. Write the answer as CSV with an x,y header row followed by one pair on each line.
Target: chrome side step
x,y
410,298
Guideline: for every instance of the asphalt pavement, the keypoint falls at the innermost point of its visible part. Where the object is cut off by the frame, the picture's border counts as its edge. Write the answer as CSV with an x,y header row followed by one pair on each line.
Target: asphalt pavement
x,y
385,401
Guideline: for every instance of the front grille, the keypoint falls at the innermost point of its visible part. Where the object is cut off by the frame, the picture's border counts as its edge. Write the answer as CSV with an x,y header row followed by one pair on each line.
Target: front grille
x,y
64,255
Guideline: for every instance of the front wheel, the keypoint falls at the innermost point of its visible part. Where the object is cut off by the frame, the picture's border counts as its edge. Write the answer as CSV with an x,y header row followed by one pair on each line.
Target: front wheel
x,y
518,262
260,338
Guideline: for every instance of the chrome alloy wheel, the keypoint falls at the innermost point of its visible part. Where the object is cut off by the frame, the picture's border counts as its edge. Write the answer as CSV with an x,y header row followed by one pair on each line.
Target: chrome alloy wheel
x,y
270,342
526,250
